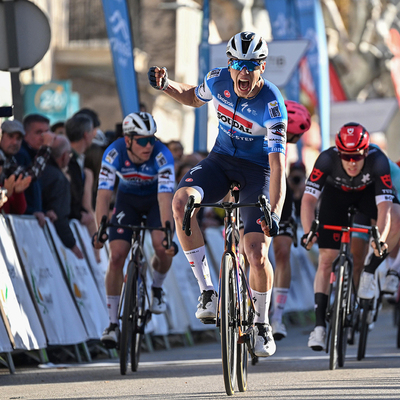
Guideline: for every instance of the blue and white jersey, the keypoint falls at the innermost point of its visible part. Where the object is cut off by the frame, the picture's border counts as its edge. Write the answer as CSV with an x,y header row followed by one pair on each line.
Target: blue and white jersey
x,y
157,175
248,128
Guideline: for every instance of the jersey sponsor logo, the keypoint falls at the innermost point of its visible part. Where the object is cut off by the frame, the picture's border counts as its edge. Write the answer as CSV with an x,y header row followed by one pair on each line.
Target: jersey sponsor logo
x,y
227,94
188,180
346,188
165,174
336,236
238,122
365,178
273,108
196,168
160,159
228,103
313,184
278,129
127,163
120,231
316,174
387,180
214,73
111,156
258,222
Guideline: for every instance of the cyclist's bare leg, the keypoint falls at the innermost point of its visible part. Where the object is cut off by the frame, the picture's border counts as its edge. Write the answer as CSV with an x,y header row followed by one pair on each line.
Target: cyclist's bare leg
x,y
119,250
325,260
281,245
256,247
359,250
194,242
178,207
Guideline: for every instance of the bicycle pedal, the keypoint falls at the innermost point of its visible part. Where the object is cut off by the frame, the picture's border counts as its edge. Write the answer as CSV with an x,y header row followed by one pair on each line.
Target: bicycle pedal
x,y
208,321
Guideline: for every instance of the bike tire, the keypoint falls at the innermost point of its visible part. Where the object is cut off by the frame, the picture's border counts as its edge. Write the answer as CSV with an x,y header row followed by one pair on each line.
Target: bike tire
x,y
336,321
228,324
347,308
139,321
364,327
242,349
397,319
127,327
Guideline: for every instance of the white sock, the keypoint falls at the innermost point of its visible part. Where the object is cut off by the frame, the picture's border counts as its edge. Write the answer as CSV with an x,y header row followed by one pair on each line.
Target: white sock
x,y
158,279
198,261
261,304
279,298
112,307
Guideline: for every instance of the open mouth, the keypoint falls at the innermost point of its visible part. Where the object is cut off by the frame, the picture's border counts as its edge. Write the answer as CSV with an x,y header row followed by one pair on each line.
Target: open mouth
x,y
243,85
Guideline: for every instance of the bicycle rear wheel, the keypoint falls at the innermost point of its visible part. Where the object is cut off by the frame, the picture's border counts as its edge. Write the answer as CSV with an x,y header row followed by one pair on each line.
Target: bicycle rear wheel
x,y
128,317
364,327
242,350
228,324
336,338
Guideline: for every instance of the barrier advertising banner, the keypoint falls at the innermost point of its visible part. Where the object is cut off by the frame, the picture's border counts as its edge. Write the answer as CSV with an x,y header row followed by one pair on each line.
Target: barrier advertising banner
x,y
91,305
42,271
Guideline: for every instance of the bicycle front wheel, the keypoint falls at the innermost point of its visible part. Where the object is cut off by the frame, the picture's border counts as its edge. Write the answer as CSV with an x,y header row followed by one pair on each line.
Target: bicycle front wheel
x,y
139,322
336,338
364,327
228,323
242,350
128,317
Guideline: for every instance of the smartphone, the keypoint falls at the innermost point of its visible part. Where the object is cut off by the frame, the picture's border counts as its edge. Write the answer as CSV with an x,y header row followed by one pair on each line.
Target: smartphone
x,y
7,111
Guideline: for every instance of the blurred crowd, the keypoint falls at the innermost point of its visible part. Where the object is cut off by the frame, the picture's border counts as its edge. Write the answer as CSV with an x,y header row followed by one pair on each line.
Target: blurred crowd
x,y
52,171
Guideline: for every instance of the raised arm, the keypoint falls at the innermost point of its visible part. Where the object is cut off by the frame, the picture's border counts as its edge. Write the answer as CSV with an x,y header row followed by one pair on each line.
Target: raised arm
x,y
181,92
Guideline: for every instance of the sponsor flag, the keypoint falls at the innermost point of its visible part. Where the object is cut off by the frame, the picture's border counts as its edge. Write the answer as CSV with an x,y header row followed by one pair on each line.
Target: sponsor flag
x,y
121,45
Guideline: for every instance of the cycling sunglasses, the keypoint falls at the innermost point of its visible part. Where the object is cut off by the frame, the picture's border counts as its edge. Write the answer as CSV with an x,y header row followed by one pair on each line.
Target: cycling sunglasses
x,y
240,64
352,157
142,141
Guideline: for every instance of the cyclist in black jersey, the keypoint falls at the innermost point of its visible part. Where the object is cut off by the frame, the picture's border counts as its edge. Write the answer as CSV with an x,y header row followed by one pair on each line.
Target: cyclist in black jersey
x,y
351,173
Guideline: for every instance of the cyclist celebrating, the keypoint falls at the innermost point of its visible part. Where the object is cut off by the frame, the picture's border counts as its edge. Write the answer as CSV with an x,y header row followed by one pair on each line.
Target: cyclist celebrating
x,y
145,168
352,173
299,121
249,149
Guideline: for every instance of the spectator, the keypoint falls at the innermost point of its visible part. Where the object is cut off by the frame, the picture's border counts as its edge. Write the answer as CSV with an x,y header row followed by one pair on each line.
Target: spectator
x,y
33,155
176,148
58,128
11,176
297,182
56,190
93,156
80,132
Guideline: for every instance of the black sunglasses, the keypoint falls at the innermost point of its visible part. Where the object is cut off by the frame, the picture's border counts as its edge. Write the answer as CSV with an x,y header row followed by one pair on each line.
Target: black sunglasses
x,y
142,141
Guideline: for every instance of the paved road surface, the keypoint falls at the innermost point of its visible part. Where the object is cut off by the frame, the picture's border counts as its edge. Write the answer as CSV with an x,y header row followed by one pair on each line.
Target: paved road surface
x,y
294,372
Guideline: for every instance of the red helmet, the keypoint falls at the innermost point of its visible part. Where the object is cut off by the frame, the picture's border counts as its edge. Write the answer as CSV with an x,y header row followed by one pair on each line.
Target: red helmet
x,y
352,137
299,119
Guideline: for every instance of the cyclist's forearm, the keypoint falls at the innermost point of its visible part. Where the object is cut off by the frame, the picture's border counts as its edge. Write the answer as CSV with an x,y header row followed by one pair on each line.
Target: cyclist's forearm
x,y
383,220
307,213
277,188
103,201
165,205
183,93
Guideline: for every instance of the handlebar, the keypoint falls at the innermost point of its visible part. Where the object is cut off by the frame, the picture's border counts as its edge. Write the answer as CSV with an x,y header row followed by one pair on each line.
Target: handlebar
x,y
262,203
372,231
102,235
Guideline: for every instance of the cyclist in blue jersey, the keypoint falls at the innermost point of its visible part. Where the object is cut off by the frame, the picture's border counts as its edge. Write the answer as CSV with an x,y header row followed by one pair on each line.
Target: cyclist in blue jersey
x,y
249,149
145,168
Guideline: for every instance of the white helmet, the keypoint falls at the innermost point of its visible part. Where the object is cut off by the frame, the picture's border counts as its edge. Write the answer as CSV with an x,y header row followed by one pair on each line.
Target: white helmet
x,y
247,46
139,124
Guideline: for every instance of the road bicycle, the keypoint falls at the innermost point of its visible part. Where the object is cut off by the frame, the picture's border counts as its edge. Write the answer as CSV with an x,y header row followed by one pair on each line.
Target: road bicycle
x,y
133,308
342,296
235,316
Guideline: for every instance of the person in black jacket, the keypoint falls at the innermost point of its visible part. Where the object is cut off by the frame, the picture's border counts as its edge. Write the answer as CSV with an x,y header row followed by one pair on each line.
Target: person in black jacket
x,y
56,190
